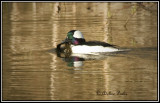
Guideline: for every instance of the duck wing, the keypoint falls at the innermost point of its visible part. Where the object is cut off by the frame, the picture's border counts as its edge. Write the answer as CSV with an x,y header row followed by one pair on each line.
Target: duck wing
x,y
95,43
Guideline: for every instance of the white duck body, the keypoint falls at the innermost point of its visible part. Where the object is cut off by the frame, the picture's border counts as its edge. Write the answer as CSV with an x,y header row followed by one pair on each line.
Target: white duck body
x,y
85,49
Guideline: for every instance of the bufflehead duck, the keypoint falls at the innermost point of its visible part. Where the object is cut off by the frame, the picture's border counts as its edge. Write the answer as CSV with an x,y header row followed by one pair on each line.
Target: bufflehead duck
x,y
75,43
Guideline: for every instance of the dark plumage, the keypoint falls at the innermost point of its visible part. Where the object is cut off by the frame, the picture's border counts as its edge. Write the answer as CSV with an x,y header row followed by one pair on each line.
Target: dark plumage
x,y
72,31
94,43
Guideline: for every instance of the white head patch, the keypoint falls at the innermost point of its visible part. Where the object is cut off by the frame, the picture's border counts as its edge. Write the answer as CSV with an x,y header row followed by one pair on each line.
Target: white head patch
x,y
78,34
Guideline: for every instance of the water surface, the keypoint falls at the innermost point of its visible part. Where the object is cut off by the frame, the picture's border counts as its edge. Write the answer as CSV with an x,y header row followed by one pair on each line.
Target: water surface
x,y
32,71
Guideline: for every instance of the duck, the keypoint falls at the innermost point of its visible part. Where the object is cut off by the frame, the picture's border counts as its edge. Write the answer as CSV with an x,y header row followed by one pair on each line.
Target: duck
x,y
75,43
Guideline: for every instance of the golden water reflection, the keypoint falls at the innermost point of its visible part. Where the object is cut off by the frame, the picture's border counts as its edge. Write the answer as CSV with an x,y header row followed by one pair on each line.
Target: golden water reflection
x,y
30,72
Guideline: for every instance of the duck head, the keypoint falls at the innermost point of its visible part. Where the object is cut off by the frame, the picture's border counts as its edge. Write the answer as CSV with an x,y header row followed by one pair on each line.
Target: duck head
x,y
75,37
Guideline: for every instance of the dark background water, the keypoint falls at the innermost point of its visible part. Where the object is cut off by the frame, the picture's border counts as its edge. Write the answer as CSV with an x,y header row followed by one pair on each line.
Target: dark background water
x,y
31,72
